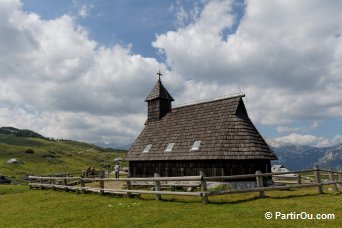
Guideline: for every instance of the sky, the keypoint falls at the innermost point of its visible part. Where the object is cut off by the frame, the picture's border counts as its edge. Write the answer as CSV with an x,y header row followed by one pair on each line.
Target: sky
x,y
81,69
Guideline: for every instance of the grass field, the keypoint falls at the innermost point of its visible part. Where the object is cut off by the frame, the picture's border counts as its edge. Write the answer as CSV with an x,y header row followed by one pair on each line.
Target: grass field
x,y
50,156
21,207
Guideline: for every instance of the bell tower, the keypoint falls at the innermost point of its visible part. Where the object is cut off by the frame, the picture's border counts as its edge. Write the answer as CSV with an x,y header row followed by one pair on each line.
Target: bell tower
x,y
158,102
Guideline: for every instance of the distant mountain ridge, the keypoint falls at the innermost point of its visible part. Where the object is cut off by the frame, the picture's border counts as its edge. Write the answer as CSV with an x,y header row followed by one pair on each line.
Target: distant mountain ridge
x,y
114,145
20,132
296,157
36,155
275,143
29,133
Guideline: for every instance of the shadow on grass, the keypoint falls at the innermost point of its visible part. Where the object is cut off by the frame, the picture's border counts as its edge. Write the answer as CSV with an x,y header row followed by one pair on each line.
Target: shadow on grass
x,y
232,201
254,198
175,200
223,199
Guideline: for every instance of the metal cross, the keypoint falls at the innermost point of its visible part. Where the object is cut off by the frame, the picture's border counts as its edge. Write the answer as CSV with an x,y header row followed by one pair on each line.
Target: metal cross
x,y
159,74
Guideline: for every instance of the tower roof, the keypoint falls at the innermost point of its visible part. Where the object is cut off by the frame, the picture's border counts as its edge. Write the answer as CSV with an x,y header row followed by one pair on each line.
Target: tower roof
x,y
159,91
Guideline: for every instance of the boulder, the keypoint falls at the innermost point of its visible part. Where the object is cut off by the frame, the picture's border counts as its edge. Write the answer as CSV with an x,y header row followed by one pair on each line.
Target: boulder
x,y
12,161
4,180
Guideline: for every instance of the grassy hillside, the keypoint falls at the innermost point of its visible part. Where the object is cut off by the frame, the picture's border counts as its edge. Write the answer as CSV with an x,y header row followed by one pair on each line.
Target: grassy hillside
x,y
46,208
42,156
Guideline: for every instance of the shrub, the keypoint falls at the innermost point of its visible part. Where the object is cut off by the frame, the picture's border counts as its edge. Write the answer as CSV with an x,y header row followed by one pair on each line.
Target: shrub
x,y
29,151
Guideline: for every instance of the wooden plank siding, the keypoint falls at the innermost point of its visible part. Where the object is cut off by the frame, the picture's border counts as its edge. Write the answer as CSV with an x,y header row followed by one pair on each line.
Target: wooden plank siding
x,y
192,168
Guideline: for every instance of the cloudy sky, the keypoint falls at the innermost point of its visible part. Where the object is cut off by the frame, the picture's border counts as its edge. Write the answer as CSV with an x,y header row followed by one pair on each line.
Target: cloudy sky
x,y
81,69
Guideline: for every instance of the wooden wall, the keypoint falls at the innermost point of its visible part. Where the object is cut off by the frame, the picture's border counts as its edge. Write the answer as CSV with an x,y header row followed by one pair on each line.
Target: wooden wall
x,y
192,168
158,108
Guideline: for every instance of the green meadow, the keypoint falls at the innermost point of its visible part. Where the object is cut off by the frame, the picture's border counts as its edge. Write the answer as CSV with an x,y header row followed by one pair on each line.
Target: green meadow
x,y
22,207
40,156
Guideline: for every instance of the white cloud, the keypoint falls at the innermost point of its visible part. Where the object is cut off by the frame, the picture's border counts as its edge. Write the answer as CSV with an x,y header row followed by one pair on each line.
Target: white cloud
x,y
282,129
286,56
312,140
56,80
85,10
182,16
299,139
286,128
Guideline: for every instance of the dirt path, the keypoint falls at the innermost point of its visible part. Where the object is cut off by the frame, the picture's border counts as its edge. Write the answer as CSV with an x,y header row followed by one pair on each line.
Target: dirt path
x,y
116,184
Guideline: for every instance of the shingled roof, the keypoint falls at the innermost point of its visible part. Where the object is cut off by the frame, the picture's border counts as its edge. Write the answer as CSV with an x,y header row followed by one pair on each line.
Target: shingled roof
x,y
159,91
223,126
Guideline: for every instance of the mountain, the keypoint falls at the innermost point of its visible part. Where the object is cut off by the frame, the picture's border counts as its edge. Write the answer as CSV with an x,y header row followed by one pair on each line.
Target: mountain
x,y
20,132
275,143
115,146
296,157
38,155
332,157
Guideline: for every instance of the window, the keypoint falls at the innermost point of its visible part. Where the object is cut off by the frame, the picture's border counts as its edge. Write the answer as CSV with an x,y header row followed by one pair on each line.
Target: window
x,y
147,148
169,147
196,145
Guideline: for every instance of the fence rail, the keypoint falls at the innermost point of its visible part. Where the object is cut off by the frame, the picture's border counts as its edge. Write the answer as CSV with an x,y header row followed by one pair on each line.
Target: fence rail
x,y
68,183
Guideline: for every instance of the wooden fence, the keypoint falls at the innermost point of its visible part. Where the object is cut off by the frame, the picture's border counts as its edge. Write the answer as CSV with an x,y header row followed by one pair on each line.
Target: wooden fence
x,y
77,184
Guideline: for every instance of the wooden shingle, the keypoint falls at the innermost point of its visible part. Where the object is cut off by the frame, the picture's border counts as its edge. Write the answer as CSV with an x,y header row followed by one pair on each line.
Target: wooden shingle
x,y
223,126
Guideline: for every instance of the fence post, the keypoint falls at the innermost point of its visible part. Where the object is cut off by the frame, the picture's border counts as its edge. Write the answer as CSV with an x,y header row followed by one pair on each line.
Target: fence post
x,y
82,186
157,186
332,179
318,179
129,186
30,182
204,188
77,190
299,180
40,182
65,181
102,184
52,182
260,184
340,179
